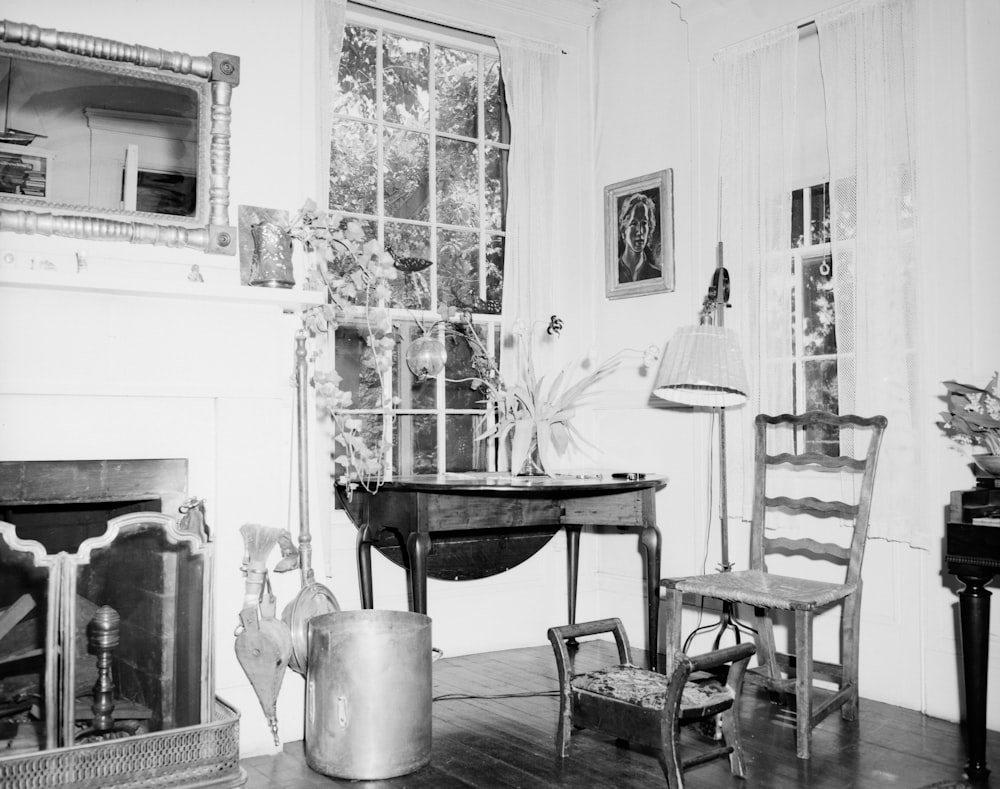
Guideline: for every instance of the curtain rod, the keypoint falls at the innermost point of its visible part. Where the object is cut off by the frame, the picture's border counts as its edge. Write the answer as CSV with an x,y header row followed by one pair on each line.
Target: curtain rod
x,y
485,38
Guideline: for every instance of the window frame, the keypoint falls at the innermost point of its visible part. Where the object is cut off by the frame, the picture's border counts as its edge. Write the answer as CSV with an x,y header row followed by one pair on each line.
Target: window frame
x,y
404,320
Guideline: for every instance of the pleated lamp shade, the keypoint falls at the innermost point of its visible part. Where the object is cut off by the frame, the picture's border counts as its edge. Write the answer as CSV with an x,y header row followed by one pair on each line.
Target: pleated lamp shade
x,y
703,366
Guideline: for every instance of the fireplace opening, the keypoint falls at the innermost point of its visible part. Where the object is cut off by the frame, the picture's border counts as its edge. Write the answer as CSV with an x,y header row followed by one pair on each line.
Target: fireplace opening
x,y
153,577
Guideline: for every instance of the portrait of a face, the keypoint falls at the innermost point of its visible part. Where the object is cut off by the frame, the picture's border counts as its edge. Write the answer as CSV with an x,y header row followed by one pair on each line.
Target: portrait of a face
x,y
639,235
638,257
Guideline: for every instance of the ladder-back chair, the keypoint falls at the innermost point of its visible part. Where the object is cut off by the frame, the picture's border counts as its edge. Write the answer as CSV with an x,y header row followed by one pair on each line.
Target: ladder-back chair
x,y
836,455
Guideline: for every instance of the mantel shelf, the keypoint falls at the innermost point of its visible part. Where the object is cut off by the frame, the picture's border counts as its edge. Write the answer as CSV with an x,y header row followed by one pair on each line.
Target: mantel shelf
x,y
91,283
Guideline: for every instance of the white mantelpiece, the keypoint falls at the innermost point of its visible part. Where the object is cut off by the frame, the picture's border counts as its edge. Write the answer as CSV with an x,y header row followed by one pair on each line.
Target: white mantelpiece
x,y
99,366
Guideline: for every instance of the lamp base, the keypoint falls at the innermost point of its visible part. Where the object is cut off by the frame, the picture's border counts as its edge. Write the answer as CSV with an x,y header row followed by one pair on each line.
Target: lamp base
x,y
727,621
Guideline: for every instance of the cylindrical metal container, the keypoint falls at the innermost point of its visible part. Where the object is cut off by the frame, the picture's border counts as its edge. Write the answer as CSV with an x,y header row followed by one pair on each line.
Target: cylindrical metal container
x,y
368,694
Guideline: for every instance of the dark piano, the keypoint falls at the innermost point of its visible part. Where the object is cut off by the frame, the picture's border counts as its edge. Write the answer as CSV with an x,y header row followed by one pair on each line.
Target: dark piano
x,y
972,554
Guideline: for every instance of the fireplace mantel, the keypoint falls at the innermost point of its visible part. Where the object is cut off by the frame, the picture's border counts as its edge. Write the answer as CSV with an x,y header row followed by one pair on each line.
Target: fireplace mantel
x,y
291,298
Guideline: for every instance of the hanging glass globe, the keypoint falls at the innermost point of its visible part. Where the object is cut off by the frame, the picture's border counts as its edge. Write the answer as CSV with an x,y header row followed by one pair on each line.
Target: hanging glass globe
x,y
426,357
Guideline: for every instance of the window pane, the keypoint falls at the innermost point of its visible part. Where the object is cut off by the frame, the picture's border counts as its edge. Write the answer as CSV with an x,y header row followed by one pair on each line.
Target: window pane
x,y
357,73
819,315
821,385
463,452
497,120
410,290
458,391
494,273
798,238
457,92
417,442
406,175
405,80
819,220
458,258
422,394
371,432
822,395
496,187
457,182
355,364
352,167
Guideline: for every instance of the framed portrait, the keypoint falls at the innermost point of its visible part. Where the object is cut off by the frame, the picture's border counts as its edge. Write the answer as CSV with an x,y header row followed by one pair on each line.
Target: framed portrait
x,y
639,235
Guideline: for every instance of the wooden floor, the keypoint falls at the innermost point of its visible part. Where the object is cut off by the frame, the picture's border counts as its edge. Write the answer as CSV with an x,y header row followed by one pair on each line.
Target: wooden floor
x,y
503,736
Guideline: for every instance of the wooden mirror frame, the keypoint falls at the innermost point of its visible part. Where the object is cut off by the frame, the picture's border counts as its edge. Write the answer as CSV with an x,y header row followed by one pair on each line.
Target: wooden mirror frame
x,y
213,76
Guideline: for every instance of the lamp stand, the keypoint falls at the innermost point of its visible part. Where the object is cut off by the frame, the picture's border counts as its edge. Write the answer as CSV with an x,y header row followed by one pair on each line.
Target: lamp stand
x,y
716,301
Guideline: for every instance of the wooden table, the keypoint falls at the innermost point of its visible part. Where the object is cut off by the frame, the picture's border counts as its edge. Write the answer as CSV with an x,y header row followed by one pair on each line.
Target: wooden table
x,y
471,525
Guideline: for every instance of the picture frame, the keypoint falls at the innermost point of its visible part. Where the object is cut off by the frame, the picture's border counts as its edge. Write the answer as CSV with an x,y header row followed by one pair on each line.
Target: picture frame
x,y
645,264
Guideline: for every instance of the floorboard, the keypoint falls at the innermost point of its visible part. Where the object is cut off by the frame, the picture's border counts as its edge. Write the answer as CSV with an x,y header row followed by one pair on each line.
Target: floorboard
x,y
494,724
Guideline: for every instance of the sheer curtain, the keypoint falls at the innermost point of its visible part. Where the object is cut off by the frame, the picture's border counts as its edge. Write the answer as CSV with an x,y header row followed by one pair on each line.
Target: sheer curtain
x,y
866,65
330,19
866,57
530,78
757,118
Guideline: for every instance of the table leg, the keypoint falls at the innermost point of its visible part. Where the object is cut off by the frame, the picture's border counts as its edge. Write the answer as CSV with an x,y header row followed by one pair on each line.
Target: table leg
x,y
650,542
572,568
418,545
364,551
974,610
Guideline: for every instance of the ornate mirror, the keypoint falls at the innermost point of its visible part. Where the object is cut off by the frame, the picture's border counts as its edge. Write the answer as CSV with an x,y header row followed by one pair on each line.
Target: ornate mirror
x,y
110,141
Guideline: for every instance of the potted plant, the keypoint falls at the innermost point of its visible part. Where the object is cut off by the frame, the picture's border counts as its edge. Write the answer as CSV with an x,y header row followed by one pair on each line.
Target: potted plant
x,y
973,421
535,413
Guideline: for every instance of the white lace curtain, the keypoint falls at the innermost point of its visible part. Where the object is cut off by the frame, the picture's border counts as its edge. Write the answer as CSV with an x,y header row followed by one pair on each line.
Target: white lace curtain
x,y
530,78
866,59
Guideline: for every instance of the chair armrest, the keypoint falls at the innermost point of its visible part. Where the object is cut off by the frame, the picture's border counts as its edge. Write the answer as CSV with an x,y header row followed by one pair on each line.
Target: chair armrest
x,y
559,635
720,657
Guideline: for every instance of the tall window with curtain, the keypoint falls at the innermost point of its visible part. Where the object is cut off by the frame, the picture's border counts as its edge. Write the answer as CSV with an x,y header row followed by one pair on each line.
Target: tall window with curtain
x,y
419,139
827,267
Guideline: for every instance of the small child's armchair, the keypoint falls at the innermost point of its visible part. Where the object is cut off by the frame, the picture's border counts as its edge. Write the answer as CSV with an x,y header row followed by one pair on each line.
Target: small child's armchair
x,y
648,708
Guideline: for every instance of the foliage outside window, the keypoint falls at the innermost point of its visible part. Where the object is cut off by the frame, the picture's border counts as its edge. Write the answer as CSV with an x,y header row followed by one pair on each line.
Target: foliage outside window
x,y
418,158
814,352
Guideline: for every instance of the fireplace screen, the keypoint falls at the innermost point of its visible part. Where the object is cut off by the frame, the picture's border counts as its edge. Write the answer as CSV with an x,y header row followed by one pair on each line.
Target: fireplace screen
x,y
105,626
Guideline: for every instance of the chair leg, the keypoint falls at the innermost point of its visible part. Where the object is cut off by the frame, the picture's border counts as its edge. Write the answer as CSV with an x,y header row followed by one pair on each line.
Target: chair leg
x,y
671,607
564,728
850,625
731,733
669,752
803,683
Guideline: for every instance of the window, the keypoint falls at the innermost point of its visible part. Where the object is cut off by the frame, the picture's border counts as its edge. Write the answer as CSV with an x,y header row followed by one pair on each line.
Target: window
x,y
418,156
814,350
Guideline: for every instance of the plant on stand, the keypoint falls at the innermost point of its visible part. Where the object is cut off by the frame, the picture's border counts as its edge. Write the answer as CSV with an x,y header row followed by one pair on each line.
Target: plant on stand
x,y
355,272
973,421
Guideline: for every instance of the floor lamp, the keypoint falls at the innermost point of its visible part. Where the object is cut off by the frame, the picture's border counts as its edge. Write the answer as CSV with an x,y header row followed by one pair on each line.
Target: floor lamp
x,y
703,367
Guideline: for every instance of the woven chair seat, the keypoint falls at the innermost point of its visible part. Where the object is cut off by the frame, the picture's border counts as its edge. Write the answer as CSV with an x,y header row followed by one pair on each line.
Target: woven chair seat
x,y
643,688
765,590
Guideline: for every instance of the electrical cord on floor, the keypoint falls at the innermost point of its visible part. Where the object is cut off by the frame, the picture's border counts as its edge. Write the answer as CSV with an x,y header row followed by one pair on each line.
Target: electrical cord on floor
x,y
526,695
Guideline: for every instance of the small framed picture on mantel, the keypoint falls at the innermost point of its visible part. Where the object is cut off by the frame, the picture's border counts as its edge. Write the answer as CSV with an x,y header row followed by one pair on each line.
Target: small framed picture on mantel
x,y
639,235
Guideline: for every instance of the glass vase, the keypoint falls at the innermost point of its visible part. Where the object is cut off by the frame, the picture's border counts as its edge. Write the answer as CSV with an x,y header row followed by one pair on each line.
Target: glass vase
x,y
532,465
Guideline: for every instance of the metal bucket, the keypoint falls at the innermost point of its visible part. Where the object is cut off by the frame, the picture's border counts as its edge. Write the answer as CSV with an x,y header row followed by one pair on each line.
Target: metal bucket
x,y
368,694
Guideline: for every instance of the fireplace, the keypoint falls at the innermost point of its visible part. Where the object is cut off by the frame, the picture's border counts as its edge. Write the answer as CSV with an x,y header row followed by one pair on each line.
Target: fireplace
x,y
106,627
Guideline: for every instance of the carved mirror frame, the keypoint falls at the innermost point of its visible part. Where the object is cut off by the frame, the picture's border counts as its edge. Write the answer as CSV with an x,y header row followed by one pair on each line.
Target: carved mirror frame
x,y
209,230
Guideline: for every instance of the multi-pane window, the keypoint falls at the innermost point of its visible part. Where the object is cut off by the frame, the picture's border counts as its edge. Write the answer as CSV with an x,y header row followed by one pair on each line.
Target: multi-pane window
x,y
814,320
418,156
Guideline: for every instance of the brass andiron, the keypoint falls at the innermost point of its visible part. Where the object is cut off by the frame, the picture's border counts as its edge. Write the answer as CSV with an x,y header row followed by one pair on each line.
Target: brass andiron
x,y
102,639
